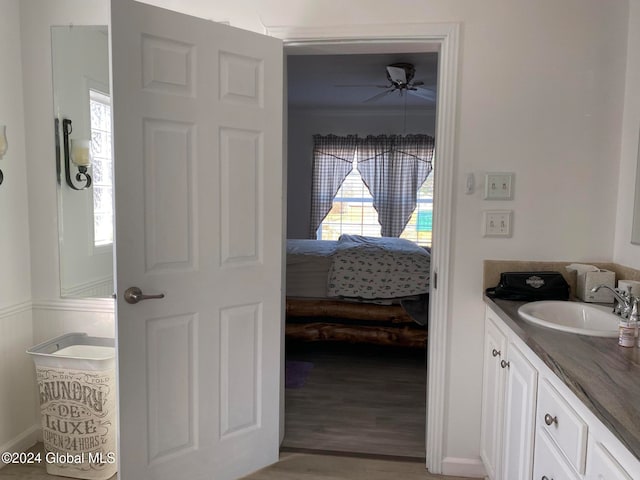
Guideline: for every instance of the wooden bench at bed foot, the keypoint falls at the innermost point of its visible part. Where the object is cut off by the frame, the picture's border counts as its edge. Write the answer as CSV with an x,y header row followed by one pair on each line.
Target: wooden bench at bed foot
x,y
404,336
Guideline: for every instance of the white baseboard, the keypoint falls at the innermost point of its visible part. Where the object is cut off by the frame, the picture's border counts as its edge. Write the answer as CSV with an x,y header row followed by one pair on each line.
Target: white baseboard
x,y
463,467
22,442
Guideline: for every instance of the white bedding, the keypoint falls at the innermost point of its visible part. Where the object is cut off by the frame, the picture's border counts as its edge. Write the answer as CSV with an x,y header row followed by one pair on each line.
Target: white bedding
x,y
308,263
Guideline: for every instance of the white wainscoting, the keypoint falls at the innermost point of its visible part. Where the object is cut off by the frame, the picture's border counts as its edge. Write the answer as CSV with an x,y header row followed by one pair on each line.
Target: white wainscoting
x,y
18,402
94,316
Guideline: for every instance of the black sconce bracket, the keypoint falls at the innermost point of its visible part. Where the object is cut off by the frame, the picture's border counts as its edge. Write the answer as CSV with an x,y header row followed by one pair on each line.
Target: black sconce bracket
x,y
82,175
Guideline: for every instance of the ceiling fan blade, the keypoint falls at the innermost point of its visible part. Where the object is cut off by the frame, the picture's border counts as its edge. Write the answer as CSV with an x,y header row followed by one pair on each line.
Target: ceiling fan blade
x,y
427,95
364,85
397,75
377,96
425,89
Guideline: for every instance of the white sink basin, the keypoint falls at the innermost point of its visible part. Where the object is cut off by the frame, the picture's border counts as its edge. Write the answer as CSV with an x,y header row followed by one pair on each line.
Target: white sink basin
x,y
573,317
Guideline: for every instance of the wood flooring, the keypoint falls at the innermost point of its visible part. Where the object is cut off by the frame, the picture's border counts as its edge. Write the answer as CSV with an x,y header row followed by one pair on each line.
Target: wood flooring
x,y
359,399
299,466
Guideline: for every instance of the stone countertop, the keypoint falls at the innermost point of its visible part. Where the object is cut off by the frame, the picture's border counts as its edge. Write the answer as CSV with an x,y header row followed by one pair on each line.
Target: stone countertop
x,y
605,376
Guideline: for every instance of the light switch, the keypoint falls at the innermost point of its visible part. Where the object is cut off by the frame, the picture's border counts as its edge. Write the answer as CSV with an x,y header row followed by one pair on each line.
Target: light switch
x,y
498,186
497,223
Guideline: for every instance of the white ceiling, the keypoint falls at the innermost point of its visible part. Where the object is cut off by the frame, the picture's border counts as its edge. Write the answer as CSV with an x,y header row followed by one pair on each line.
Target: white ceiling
x,y
312,80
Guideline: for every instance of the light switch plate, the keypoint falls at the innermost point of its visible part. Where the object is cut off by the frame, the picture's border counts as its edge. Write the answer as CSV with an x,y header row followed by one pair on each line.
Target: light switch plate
x,y
498,186
497,223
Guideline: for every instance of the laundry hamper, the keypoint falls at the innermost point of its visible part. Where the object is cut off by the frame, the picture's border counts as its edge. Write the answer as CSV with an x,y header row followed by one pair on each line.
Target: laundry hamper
x,y
77,389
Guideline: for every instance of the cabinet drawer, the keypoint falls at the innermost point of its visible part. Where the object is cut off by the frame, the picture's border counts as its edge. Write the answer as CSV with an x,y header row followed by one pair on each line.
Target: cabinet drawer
x,y
562,424
548,463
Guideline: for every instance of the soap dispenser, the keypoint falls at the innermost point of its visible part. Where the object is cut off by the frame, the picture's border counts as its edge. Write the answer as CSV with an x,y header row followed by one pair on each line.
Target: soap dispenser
x,y
629,326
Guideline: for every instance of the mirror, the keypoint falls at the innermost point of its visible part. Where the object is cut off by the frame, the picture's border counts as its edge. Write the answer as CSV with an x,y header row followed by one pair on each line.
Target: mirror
x,y
84,165
635,232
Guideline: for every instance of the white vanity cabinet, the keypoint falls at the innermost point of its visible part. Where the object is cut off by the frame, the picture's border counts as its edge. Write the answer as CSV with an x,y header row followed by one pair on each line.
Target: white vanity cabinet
x,y
533,426
495,350
508,406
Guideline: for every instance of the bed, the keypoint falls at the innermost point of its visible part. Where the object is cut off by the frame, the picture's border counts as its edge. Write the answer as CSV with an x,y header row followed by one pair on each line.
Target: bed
x,y
358,289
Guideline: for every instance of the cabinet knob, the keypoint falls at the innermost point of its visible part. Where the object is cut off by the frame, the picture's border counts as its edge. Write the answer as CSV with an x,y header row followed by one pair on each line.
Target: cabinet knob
x,y
549,420
544,477
495,352
504,364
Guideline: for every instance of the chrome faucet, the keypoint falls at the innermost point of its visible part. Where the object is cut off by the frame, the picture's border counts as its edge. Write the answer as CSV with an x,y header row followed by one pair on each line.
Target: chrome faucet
x,y
624,300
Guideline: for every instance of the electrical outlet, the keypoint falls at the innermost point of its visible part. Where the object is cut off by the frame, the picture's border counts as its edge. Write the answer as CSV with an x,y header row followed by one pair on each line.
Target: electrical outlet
x,y
497,223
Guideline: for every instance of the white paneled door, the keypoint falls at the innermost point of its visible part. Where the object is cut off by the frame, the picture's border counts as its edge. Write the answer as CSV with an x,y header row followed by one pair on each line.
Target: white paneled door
x,y
198,168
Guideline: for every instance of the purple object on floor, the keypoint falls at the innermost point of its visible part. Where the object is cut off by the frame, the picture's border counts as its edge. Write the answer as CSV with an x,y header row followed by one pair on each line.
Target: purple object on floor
x,y
296,373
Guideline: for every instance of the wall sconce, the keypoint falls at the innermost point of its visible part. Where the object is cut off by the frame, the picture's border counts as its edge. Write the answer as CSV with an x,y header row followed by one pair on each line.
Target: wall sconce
x,y
77,152
4,145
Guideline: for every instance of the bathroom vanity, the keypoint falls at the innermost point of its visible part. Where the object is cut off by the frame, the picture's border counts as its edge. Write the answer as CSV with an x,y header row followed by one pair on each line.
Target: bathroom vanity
x,y
557,405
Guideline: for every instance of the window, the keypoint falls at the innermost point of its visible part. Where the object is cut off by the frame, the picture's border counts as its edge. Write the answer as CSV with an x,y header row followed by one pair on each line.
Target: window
x,y
102,163
393,166
353,213
420,227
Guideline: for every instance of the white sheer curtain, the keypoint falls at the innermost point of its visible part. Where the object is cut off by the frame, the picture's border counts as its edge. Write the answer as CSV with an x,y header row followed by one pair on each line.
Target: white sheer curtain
x,y
332,162
394,167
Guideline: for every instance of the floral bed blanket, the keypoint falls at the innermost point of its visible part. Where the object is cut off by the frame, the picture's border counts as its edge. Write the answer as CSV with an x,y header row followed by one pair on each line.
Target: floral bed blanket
x,y
376,268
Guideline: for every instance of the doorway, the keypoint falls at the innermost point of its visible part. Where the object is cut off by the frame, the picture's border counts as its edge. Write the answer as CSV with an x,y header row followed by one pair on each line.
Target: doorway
x,y
355,395
442,38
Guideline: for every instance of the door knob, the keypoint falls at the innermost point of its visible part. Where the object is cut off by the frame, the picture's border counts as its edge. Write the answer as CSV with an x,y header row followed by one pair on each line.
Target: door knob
x,y
134,295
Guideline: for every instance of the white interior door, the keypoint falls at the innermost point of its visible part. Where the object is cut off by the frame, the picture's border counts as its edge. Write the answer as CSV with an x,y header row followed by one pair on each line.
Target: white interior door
x,y
198,171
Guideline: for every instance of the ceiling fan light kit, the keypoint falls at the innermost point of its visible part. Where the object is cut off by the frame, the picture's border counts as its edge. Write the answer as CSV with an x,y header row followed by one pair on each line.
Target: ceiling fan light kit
x,y
400,73
400,77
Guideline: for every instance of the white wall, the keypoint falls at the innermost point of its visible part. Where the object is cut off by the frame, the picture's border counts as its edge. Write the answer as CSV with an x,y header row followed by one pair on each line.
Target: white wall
x,y
33,276
625,253
304,123
28,243
17,392
541,95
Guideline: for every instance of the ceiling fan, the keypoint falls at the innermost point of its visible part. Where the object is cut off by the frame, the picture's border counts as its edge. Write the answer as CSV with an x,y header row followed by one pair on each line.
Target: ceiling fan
x,y
400,76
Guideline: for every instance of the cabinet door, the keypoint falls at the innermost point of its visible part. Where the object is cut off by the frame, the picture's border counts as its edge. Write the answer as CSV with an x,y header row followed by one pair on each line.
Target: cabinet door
x,y
520,409
495,346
